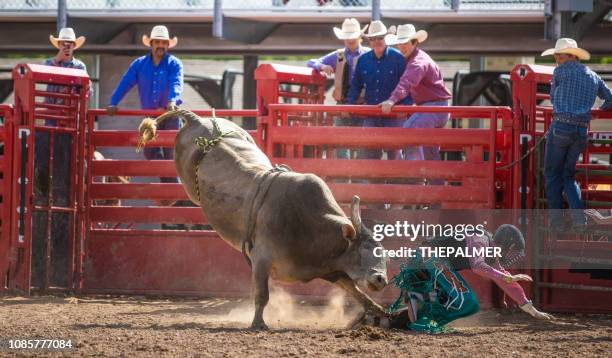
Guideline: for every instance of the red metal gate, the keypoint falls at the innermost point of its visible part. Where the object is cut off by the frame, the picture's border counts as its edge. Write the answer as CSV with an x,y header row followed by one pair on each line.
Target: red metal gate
x,y
6,143
123,248
50,107
564,287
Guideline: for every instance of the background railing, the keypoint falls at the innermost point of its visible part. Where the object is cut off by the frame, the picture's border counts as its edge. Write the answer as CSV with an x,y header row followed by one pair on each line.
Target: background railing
x,y
408,5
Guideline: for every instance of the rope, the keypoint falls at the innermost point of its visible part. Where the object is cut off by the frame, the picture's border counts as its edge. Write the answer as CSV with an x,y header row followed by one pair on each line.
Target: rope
x,y
206,145
248,239
528,153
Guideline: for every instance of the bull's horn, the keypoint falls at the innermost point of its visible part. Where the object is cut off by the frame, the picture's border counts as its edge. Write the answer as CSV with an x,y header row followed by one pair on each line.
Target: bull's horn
x,y
356,213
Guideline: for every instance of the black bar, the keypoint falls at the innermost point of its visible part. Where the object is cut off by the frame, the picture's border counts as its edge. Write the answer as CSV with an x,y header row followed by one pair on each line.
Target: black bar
x,y
524,168
22,182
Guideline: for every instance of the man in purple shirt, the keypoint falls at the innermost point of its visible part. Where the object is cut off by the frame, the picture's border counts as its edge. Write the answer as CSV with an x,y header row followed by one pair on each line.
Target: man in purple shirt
x,y
159,77
342,63
422,80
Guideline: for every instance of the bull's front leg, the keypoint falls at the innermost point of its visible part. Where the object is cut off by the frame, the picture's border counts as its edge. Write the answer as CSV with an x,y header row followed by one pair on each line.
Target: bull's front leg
x,y
261,293
369,305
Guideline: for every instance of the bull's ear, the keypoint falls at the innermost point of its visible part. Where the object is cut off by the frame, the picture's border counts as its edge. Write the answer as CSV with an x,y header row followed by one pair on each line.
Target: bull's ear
x,y
356,213
348,232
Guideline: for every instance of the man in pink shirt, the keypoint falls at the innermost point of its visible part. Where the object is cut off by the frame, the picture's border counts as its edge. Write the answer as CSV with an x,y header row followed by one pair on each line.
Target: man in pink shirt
x,y
422,80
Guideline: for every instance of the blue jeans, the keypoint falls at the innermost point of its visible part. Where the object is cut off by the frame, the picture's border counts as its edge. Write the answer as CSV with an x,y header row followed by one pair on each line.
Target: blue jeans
x,y
344,153
564,143
380,122
159,153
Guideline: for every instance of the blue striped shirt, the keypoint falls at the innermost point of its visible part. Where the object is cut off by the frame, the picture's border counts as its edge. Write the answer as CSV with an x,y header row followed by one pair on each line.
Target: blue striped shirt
x,y
573,91
157,85
73,63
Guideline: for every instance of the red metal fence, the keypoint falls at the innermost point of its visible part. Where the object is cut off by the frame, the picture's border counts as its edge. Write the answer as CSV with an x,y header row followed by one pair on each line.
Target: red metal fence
x,y
6,143
121,249
470,183
124,250
50,107
564,289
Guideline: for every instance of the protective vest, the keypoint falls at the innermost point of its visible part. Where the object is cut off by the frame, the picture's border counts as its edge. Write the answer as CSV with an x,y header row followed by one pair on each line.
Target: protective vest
x,y
341,78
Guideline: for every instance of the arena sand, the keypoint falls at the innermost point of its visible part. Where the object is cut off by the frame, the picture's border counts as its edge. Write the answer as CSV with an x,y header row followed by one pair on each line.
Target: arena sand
x,y
145,327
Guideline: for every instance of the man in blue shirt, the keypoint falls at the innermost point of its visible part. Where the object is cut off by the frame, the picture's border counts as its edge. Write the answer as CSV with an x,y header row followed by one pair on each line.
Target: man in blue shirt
x,y
159,77
573,91
379,72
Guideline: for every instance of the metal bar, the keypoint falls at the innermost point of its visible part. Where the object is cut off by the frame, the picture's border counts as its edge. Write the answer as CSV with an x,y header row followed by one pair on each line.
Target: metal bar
x,y
62,15
218,19
57,209
605,173
42,115
147,214
55,94
48,239
482,112
54,129
297,95
373,168
375,10
152,234
409,194
570,286
53,106
22,184
598,204
155,113
138,191
379,137
524,169
574,259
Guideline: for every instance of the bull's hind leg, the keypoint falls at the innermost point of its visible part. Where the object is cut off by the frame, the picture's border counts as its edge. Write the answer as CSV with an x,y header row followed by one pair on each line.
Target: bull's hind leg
x,y
261,294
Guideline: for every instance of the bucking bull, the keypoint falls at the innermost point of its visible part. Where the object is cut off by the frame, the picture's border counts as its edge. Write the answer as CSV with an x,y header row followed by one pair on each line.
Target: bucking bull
x,y
287,224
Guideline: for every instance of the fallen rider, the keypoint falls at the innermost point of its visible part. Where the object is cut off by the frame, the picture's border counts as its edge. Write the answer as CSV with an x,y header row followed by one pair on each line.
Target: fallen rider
x,y
434,294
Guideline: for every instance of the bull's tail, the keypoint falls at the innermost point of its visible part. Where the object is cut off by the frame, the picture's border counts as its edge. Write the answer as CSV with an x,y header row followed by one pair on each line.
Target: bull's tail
x,y
148,126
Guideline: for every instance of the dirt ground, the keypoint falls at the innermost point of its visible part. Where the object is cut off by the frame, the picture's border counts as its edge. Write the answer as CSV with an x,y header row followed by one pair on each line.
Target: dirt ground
x,y
138,326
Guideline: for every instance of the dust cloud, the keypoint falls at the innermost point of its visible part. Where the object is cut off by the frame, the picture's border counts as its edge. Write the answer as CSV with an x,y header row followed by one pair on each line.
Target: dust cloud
x,y
287,311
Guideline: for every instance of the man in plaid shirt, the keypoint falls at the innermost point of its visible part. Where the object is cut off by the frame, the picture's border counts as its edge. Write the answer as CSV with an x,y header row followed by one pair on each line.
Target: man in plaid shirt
x,y
573,91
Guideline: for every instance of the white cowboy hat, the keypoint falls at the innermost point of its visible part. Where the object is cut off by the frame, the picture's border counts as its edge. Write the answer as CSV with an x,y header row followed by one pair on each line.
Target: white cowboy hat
x,y
67,34
404,34
568,46
351,29
159,32
377,28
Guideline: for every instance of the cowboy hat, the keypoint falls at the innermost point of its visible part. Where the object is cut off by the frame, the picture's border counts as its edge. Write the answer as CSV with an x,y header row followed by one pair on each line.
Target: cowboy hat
x,y
377,28
351,29
404,34
568,46
67,34
159,32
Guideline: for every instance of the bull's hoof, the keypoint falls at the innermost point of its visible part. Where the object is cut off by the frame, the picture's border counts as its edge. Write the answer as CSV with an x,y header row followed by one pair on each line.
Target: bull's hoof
x,y
357,322
259,326
376,310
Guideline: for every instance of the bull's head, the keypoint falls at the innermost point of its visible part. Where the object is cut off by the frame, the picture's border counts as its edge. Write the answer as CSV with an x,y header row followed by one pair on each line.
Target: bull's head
x,y
362,266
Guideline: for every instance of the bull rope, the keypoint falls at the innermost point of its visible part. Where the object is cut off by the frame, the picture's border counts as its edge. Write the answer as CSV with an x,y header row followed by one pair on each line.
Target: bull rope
x,y
247,243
